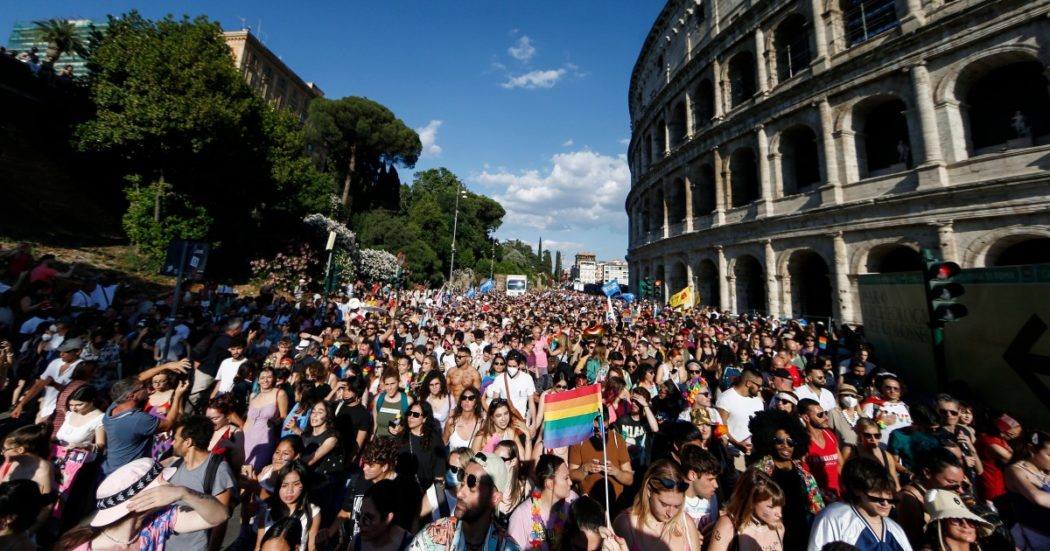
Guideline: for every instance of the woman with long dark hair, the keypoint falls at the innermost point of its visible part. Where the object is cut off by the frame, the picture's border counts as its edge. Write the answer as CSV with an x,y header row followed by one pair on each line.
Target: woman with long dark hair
x,y
502,424
436,394
290,500
780,442
420,439
324,455
538,522
466,420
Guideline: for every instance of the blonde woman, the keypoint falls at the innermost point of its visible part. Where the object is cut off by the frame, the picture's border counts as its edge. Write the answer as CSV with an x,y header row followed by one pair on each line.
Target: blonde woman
x,y
753,518
656,520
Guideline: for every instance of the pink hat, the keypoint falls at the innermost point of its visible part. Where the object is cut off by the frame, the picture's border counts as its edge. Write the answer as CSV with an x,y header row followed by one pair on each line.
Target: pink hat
x,y
122,485
1005,423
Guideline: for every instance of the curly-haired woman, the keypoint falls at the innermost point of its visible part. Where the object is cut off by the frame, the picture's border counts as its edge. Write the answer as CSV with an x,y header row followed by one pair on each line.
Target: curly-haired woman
x,y
780,442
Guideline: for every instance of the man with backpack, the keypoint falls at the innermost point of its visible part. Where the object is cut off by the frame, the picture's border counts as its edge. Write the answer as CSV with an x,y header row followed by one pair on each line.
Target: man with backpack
x,y
198,469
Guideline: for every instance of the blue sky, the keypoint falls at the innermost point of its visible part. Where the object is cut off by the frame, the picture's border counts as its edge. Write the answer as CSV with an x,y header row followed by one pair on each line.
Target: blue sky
x,y
525,101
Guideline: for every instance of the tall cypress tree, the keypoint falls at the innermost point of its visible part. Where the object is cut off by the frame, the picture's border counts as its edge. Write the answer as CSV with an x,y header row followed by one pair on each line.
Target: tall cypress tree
x,y
557,266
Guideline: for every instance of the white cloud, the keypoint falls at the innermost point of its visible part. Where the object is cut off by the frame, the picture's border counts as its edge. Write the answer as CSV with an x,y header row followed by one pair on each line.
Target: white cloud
x,y
625,141
428,137
535,79
580,191
567,143
563,246
522,50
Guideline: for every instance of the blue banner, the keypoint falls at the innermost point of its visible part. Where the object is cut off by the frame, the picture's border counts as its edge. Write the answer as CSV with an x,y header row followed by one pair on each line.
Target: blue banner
x,y
487,286
611,288
471,293
629,297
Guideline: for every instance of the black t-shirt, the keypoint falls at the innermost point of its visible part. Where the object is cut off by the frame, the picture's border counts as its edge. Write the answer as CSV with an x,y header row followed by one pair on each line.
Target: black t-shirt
x,y
796,506
430,461
217,352
330,463
639,439
348,421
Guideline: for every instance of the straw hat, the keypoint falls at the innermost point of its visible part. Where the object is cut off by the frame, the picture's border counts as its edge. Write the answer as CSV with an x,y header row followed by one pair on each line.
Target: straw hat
x,y
123,484
944,505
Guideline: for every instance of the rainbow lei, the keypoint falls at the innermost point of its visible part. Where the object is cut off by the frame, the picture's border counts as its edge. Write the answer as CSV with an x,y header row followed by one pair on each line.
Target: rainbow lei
x,y
539,533
692,388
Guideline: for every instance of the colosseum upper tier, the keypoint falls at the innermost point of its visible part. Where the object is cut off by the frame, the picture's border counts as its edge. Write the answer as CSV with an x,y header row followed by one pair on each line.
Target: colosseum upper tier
x,y
779,149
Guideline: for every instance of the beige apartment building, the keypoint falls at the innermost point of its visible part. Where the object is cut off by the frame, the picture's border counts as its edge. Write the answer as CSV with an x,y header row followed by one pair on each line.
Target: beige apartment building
x,y
269,76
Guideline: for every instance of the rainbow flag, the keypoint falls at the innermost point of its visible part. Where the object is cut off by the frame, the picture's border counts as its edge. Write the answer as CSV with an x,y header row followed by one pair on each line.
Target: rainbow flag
x,y
822,342
568,417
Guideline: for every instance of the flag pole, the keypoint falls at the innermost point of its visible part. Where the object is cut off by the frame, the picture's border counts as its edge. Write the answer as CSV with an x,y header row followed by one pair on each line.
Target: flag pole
x,y
605,462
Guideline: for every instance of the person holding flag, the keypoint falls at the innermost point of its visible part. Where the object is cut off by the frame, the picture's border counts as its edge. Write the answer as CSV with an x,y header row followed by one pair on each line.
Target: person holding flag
x,y
601,464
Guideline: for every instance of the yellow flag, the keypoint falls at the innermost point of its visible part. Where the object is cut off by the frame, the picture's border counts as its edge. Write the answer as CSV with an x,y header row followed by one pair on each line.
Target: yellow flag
x,y
683,299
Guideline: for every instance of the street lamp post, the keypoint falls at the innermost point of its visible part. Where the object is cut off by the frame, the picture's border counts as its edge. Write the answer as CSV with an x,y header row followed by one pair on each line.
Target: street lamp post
x,y
455,223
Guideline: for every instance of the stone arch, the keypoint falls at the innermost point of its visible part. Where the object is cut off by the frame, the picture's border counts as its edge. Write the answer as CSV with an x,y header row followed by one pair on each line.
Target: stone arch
x,y
742,77
799,159
988,249
743,177
678,278
704,190
810,285
676,210
1004,106
707,282
750,284
891,257
704,103
791,43
677,129
883,139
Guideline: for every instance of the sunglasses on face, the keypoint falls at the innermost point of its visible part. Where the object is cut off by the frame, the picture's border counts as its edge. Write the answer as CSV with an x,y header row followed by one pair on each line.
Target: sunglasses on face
x,y
415,414
953,413
467,398
875,435
668,484
780,441
881,500
821,414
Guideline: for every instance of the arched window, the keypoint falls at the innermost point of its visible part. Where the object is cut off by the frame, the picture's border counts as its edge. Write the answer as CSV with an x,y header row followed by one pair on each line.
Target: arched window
x,y
743,175
892,258
660,143
704,190
704,104
792,47
678,129
750,285
886,145
810,285
1020,250
799,160
865,19
1009,106
742,78
676,202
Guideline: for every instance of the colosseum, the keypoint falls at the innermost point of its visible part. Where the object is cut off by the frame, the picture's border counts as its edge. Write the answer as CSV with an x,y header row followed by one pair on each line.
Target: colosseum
x,y
781,149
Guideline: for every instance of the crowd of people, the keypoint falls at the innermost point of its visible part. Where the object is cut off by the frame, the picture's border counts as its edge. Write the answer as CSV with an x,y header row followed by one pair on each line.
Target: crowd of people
x,y
43,68
383,420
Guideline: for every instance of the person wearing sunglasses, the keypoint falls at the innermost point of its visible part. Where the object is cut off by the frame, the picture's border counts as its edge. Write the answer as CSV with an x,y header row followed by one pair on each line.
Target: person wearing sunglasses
x,y
952,526
888,410
940,469
780,443
823,455
869,444
950,411
656,519
754,515
465,421
473,524
862,519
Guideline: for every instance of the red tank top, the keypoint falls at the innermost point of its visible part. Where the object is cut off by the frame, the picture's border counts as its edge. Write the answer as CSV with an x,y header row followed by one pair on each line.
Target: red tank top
x,y
824,462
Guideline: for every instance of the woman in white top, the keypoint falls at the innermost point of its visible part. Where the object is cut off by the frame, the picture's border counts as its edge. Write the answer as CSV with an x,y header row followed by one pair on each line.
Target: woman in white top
x,y
466,420
82,427
438,397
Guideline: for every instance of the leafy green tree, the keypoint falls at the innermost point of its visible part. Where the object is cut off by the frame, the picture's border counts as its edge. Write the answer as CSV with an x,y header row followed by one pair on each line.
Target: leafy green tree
x,y
359,138
548,266
156,215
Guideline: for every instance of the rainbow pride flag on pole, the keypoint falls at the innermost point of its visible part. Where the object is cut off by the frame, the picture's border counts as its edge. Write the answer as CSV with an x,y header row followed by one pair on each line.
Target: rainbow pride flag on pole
x,y
568,417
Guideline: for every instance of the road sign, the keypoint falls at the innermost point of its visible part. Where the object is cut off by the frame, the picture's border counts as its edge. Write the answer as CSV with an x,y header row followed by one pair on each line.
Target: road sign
x,y
1027,365
193,255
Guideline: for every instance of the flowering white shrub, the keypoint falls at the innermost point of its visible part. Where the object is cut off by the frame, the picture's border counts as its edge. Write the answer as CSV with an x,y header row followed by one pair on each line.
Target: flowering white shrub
x,y
287,268
344,238
376,265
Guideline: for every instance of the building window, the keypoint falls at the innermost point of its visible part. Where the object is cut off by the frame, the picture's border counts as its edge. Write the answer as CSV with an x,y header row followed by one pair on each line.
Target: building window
x,y
792,45
742,78
743,175
1009,107
865,19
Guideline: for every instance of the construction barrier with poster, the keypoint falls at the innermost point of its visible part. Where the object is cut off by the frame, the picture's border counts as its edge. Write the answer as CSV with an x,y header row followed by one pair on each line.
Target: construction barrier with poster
x,y
1001,350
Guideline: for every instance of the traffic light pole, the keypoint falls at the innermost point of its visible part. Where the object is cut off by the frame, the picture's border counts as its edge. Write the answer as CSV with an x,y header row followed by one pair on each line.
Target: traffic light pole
x,y
941,306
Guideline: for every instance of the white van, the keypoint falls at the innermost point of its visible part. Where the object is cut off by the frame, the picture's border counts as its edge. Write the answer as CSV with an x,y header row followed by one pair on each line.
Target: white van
x,y
516,285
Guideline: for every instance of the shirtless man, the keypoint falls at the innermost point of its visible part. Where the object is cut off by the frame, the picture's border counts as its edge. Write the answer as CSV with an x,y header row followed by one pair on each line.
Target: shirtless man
x,y
463,374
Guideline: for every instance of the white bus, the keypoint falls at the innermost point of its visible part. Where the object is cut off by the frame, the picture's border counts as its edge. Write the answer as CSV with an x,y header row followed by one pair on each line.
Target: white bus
x,y
516,285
